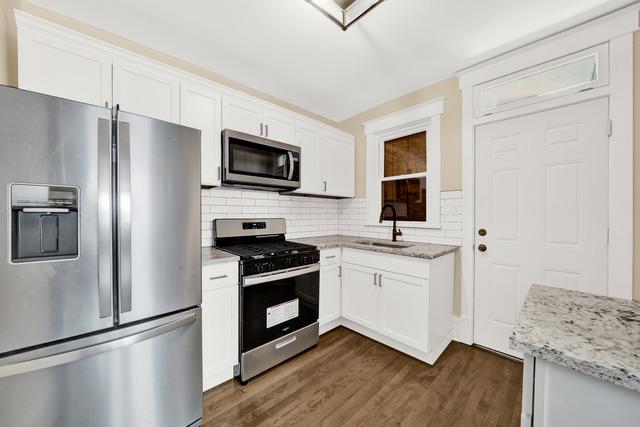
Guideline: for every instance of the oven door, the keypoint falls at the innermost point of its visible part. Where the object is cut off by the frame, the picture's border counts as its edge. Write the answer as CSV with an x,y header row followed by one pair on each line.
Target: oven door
x,y
276,304
254,161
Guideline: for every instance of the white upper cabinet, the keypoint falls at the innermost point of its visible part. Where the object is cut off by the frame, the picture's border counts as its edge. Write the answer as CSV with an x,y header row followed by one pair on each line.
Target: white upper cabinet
x,y
242,115
146,90
308,138
200,108
59,67
64,63
253,118
279,126
338,166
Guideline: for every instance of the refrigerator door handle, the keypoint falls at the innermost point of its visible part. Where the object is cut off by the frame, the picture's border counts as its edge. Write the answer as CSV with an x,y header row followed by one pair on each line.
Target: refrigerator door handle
x,y
57,359
104,218
124,216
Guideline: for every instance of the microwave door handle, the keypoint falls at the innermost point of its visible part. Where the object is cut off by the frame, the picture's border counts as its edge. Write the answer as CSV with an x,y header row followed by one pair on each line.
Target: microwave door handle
x,y
290,177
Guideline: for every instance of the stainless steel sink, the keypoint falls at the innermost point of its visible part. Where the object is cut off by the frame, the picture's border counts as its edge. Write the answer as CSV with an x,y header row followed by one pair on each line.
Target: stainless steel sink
x,y
382,245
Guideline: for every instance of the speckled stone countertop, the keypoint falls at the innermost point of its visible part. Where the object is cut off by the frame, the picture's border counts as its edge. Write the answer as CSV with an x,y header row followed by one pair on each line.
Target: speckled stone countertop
x,y
215,256
412,249
596,335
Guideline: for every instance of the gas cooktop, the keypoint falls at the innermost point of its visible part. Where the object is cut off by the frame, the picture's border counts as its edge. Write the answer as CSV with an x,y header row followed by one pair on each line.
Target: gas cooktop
x,y
264,249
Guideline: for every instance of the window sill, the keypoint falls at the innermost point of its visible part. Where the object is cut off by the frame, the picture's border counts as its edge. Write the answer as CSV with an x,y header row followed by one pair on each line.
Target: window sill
x,y
434,225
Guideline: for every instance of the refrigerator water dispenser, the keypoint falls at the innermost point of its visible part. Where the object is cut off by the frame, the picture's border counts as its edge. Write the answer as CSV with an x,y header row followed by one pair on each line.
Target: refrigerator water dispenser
x,y
44,222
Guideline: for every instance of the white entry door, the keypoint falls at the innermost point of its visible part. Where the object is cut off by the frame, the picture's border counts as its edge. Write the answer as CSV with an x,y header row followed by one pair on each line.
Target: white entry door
x,y
541,211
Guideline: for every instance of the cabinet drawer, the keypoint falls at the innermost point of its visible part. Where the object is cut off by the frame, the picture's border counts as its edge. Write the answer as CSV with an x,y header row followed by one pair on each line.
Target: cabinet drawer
x,y
329,256
216,276
417,267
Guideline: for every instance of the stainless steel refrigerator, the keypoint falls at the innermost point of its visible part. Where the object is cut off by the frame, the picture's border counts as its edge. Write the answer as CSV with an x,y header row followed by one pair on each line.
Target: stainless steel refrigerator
x,y
100,266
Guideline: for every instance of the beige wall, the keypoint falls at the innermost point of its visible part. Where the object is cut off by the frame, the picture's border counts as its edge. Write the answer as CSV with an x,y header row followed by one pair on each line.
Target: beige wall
x,y
8,55
451,145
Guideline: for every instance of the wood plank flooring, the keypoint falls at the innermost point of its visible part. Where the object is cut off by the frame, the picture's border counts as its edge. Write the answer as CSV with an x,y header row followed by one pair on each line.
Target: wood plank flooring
x,y
349,379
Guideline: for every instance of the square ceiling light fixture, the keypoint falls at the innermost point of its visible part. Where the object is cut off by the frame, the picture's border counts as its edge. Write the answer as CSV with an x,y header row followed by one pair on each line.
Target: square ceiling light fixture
x,y
344,12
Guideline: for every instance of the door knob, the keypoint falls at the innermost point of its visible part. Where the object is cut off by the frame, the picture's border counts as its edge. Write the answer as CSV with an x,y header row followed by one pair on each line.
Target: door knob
x,y
482,232
482,248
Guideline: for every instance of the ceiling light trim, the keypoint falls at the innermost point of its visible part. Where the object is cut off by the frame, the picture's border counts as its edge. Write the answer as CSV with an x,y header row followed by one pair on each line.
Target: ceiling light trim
x,y
346,17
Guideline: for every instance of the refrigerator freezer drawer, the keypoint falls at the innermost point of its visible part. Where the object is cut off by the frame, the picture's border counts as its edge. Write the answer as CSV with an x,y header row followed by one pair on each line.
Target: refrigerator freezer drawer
x,y
149,374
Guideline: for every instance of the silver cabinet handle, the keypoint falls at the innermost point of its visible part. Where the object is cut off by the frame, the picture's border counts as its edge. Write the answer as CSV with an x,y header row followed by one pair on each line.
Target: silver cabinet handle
x,y
330,257
339,271
380,280
266,130
375,279
124,206
285,342
49,361
105,269
261,128
218,173
224,276
325,185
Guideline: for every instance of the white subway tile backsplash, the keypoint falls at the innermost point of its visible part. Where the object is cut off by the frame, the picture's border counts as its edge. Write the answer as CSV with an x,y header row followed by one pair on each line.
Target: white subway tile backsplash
x,y
308,217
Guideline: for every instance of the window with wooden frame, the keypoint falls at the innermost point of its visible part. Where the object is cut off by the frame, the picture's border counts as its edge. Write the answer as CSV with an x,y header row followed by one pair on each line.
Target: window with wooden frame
x,y
403,159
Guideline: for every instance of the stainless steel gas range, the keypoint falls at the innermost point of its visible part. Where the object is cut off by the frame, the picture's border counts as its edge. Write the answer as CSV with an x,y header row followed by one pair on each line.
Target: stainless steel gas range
x,y
279,291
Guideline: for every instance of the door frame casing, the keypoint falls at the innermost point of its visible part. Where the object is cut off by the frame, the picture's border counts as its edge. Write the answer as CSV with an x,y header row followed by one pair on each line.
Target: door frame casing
x,y
617,30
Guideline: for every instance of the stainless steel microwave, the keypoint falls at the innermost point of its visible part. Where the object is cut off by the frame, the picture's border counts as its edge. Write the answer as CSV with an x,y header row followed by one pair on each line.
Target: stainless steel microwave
x,y
252,161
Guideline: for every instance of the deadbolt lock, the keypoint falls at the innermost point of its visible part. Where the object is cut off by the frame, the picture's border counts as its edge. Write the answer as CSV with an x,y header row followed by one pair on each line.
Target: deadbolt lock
x,y
482,232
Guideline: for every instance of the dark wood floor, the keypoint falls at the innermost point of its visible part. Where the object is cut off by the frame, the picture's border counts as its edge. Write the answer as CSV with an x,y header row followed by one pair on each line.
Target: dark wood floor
x,y
349,379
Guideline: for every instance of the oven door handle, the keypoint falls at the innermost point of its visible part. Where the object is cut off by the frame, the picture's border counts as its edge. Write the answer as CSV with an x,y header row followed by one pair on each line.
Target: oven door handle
x,y
284,274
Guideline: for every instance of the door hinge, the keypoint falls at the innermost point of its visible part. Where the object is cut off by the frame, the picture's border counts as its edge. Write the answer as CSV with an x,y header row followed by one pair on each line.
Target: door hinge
x,y
236,370
610,128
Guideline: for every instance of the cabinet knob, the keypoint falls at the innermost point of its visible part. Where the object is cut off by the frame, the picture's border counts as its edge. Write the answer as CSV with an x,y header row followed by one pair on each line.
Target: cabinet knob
x,y
482,248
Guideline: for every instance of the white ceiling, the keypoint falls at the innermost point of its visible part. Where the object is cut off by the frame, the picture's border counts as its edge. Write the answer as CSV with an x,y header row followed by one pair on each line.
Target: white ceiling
x,y
287,49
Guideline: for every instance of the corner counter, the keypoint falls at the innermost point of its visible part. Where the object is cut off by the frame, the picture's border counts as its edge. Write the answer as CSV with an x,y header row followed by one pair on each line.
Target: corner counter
x,y
581,358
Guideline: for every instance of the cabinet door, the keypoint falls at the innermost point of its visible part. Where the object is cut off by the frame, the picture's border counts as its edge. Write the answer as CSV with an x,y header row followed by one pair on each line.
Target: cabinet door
x,y
404,304
219,335
338,166
145,90
279,127
329,293
308,138
359,295
200,108
242,116
63,68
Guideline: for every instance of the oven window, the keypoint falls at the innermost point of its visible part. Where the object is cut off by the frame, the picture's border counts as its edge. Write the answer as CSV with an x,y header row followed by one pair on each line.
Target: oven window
x,y
248,158
274,309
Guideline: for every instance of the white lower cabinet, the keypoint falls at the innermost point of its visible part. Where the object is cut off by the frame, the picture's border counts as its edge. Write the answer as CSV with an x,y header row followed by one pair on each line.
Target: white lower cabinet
x,y
403,302
360,295
219,323
329,294
404,309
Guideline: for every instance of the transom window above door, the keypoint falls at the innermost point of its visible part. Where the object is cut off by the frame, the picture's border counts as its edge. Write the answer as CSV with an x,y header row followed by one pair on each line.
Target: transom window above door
x,y
403,166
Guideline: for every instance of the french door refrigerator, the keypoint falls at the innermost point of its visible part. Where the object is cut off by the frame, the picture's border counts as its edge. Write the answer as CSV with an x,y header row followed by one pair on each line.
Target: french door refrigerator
x,y
100,266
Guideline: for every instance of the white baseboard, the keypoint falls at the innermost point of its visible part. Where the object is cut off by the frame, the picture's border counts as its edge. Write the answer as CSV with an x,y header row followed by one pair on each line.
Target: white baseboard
x,y
326,327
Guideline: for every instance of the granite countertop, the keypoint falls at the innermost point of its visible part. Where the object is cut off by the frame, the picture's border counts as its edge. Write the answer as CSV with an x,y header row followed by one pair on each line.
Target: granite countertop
x,y
596,335
412,249
214,256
